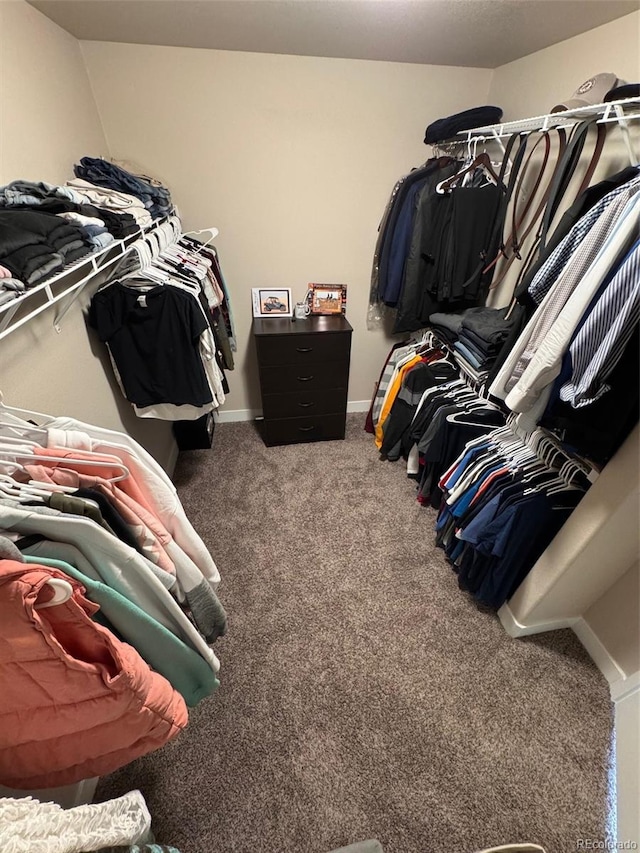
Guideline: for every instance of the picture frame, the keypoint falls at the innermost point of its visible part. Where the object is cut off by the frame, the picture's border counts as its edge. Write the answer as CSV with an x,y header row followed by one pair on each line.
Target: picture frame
x,y
271,302
328,298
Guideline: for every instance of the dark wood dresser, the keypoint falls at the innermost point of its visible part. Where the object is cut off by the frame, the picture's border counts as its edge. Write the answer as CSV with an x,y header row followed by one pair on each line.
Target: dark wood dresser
x,y
304,376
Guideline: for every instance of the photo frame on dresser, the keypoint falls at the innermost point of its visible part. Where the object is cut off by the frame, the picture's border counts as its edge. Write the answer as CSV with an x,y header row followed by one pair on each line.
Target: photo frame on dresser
x,y
328,298
271,302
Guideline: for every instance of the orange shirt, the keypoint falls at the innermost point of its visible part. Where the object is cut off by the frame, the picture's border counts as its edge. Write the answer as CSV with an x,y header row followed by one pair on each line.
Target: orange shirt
x,y
396,384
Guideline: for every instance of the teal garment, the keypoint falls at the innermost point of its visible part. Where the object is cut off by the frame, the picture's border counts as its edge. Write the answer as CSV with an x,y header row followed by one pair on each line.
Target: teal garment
x,y
183,667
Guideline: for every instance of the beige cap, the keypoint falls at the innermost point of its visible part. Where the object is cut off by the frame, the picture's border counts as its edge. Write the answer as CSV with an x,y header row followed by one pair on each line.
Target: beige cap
x,y
592,91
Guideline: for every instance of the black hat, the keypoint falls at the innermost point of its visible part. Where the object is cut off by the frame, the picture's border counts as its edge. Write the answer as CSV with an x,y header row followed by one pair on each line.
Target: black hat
x,y
445,128
629,90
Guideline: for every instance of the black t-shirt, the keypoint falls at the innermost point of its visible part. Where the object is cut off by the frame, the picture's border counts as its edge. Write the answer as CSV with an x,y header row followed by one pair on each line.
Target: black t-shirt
x,y
153,337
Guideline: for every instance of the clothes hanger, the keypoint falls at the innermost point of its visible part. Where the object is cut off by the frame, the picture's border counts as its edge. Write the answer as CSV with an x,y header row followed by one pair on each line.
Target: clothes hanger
x,y
53,487
14,488
6,408
27,428
62,592
482,160
64,461
212,231
18,440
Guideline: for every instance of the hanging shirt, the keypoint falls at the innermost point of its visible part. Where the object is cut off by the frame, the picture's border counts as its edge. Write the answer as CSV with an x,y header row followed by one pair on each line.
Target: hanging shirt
x,y
154,339
598,346
186,671
585,254
395,386
556,262
540,366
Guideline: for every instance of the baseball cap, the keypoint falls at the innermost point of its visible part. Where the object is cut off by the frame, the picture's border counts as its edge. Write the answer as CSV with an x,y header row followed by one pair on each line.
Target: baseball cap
x,y
592,91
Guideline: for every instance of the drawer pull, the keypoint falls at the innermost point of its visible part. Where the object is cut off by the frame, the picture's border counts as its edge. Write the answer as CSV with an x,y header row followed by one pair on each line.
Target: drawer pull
x,y
306,429
305,405
304,378
304,349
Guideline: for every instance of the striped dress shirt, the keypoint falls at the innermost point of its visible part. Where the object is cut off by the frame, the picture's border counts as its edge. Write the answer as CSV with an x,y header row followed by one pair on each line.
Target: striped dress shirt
x,y
556,262
601,341
571,276
545,365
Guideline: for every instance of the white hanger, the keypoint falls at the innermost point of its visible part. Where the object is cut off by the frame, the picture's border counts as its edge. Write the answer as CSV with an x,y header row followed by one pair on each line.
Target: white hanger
x,y
64,461
213,231
62,592
53,487
17,440
14,431
16,489
4,407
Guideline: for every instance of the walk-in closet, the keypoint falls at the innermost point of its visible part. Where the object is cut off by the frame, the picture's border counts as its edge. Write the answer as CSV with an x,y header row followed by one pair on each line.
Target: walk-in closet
x,y
319,469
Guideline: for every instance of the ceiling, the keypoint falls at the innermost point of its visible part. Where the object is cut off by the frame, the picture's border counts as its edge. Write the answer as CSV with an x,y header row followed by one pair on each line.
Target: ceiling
x,y
472,33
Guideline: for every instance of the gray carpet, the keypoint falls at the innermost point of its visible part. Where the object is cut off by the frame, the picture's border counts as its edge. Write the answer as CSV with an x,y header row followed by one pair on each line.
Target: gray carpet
x,y
362,694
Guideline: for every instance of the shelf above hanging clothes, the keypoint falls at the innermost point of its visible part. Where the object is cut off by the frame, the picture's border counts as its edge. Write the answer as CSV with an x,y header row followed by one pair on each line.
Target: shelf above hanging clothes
x,y
66,286
614,111
620,112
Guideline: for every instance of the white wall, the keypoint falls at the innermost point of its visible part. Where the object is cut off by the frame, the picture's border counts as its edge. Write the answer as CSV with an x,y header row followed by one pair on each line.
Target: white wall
x,y
48,116
532,85
627,716
48,120
615,620
292,158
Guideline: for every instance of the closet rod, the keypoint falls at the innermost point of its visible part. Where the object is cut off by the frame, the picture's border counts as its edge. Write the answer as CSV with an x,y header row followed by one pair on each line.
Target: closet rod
x,y
611,112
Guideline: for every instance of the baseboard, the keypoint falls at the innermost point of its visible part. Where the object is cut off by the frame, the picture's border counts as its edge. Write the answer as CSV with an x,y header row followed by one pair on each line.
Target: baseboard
x,y
358,406
625,686
518,629
583,631
228,416
598,651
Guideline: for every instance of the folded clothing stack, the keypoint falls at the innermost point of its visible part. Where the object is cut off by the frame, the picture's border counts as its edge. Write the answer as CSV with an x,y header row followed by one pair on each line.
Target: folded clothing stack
x,y
105,197
100,227
446,326
31,193
10,287
35,245
118,224
155,198
475,336
482,333
44,227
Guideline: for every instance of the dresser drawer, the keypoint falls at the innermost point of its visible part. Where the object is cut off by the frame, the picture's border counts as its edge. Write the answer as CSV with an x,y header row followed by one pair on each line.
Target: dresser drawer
x,y
280,379
304,403
303,349
292,430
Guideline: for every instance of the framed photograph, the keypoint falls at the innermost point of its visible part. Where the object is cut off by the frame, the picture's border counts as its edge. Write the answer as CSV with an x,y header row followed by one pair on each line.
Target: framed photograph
x,y
271,302
328,298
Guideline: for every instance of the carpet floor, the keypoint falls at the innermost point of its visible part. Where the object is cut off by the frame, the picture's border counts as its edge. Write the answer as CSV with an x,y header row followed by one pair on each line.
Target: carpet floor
x,y
362,694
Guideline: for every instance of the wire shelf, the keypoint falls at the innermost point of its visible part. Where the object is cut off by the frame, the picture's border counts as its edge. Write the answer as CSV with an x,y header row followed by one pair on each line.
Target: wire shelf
x,y
615,111
65,285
